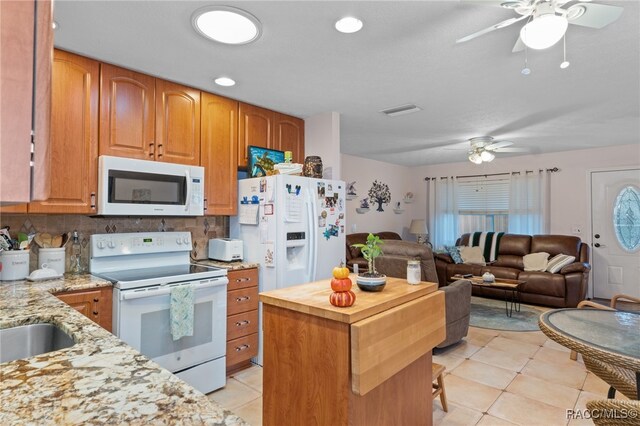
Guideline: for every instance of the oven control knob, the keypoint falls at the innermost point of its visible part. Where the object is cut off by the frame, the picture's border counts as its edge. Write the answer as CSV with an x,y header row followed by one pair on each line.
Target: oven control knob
x,y
179,240
185,240
111,244
100,244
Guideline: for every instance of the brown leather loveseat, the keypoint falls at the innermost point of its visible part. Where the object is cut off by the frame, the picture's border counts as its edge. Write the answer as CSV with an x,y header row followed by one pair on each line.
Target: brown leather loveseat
x,y
563,289
354,255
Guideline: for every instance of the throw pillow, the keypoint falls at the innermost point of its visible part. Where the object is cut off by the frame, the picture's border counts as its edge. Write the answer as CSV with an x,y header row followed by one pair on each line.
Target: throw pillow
x,y
536,261
472,255
454,252
558,262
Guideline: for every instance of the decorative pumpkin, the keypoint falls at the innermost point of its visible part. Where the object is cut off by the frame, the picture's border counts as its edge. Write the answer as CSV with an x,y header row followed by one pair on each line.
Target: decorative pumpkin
x,y
340,272
342,299
341,284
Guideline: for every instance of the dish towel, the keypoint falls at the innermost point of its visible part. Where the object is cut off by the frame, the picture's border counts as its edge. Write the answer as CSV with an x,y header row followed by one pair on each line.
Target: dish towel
x,y
181,311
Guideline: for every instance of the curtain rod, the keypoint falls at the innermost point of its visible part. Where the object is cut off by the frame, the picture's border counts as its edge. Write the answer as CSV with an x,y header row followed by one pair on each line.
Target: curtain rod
x,y
552,170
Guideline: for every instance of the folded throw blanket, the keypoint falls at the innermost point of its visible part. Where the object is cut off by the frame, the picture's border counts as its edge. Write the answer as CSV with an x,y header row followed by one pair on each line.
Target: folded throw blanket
x,y
489,242
181,311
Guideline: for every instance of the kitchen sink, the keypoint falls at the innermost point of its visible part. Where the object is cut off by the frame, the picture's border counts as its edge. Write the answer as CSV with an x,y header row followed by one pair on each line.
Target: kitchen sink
x,y
30,340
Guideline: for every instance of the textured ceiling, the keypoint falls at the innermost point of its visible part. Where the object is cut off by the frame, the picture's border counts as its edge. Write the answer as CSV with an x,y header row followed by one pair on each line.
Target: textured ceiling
x,y
406,53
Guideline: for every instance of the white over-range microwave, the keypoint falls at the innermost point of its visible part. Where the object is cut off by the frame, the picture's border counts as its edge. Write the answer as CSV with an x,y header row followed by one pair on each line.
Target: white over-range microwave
x,y
130,187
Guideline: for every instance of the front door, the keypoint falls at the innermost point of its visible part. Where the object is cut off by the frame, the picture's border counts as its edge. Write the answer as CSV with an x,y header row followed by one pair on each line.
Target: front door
x,y
615,232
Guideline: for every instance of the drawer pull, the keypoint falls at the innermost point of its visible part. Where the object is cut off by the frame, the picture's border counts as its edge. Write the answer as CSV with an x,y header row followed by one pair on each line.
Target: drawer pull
x,y
241,280
96,300
242,348
241,323
95,313
243,298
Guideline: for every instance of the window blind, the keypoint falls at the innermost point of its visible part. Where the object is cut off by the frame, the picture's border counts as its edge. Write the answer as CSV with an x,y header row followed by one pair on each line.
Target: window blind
x,y
487,196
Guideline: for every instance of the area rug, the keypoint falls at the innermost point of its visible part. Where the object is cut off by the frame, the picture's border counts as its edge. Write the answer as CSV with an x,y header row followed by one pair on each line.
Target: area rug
x,y
490,313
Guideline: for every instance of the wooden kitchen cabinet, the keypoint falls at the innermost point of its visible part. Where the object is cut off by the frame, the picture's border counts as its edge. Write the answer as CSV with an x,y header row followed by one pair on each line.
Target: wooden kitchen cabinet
x,y
242,318
25,67
289,136
74,136
218,151
255,127
177,123
127,113
95,304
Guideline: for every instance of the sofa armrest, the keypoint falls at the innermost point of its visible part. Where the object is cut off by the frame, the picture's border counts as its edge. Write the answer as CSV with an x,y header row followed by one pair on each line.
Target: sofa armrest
x,y
444,257
575,267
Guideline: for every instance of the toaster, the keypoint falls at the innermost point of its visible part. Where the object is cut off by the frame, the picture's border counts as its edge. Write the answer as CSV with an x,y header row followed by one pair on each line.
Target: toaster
x,y
225,249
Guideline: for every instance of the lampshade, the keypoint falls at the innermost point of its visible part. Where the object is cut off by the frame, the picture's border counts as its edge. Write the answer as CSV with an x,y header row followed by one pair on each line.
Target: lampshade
x,y
474,157
487,156
418,227
544,31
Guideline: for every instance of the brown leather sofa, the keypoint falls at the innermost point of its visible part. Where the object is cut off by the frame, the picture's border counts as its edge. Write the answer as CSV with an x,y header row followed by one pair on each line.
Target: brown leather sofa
x,y
457,295
563,289
354,255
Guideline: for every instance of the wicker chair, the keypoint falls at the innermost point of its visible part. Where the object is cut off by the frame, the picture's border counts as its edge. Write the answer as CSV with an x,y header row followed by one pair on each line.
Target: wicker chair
x,y
620,379
628,412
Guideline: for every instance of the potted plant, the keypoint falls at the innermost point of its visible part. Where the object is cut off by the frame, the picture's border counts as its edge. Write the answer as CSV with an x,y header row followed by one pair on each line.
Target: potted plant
x,y
371,280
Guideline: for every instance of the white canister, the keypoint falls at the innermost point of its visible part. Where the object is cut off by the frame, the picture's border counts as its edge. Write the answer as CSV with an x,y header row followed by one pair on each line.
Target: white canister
x,y
53,258
15,265
413,272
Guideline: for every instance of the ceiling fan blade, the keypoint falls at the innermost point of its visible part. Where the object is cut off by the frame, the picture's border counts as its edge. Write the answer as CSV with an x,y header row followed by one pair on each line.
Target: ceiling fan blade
x,y
510,150
519,46
498,145
595,15
458,146
497,26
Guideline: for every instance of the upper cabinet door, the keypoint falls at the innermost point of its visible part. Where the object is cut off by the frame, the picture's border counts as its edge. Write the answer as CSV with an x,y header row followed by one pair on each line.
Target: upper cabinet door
x,y
74,136
289,136
255,128
177,123
127,113
219,148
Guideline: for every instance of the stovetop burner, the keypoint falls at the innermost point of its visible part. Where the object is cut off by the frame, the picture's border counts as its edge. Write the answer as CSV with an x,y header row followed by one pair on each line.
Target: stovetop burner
x,y
161,275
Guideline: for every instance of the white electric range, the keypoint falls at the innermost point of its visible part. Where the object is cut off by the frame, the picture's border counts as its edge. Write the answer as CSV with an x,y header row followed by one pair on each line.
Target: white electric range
x,y
143,268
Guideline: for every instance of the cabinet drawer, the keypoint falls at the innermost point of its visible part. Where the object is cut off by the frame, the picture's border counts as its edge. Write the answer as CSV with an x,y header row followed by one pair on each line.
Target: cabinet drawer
x,y
242,349
242,324
242,278
245,299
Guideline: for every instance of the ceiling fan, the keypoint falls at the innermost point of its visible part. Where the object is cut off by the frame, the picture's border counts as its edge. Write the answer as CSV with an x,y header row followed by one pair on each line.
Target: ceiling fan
x,y
484,148
548,20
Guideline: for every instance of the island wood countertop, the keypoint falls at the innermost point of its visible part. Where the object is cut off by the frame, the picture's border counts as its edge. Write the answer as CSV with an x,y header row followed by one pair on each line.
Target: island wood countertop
x,y
313,299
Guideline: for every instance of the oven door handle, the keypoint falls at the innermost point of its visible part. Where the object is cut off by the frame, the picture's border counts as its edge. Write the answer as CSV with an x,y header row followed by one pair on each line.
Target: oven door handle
x,y
163,290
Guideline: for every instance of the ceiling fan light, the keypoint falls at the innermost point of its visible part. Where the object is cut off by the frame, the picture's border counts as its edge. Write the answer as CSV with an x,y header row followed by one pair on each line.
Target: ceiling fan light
x,y
475,158
487,156
544,31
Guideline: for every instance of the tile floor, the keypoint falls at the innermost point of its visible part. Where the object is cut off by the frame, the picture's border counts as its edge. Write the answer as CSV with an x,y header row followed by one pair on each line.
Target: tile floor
x,y
493,378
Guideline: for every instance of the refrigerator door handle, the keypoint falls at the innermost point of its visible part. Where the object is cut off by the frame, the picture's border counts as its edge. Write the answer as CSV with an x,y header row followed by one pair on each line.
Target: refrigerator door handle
x,y
311,241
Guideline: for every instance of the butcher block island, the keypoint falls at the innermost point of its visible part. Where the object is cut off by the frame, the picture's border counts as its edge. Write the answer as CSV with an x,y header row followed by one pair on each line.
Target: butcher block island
x,y
368,364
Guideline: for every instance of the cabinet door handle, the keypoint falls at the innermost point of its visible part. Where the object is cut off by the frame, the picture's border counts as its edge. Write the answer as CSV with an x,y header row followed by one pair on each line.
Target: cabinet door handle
x,y
242,348
160,150
93,200
95,312
243,322
96,300
243,298
152,150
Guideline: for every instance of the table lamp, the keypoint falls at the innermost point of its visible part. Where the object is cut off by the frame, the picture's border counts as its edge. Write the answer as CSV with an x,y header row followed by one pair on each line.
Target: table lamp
x,y
419,229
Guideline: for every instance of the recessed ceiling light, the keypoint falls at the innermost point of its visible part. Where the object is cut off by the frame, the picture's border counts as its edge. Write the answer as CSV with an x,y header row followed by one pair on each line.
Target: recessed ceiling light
x,y
224,81
565,64
227,25
349,25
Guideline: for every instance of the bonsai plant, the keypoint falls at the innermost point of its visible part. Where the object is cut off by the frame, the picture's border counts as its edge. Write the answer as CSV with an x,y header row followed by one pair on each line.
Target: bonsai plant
x,y
371,280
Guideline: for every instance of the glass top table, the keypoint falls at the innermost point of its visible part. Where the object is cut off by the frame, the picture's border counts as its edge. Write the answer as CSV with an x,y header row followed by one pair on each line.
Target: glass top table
x,y
610,336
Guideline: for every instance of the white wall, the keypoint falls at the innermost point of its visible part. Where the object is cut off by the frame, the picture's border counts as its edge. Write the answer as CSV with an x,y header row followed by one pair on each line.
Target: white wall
x,y
322,138
400,180
569,187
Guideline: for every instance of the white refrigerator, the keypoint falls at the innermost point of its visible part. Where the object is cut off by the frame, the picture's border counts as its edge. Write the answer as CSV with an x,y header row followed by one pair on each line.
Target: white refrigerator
x,y
293,226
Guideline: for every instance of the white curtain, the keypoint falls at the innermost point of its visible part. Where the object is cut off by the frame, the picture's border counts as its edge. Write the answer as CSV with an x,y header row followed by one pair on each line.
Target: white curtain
x,y
529,203
443,211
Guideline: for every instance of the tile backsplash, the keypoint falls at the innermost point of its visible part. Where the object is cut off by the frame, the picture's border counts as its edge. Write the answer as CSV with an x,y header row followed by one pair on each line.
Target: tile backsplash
x,y
202,229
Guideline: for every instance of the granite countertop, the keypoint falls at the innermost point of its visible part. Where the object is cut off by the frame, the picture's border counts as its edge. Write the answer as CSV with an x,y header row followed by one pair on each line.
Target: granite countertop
x,y
98,380
231,266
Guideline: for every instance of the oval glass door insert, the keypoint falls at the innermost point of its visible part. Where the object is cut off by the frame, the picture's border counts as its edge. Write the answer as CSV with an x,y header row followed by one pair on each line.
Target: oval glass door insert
x,y
626,218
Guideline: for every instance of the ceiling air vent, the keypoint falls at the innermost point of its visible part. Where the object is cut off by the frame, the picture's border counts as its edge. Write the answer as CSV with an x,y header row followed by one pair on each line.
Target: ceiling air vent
x,y
401,110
